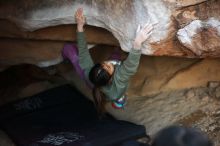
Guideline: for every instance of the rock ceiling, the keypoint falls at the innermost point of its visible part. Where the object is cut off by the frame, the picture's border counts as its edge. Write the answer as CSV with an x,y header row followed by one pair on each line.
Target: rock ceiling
x,y
189,28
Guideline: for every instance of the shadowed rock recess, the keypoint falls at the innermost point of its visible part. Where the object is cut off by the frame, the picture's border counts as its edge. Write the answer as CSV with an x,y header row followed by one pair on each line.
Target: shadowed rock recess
x,y
178,77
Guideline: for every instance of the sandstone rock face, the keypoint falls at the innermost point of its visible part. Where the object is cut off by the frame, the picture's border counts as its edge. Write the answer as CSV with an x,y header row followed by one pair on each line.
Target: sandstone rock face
x,y
95,35
182,25
41,53
201,37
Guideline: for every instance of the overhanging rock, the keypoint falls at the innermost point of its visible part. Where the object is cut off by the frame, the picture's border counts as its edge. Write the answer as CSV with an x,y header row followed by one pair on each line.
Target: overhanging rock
x,y
122,17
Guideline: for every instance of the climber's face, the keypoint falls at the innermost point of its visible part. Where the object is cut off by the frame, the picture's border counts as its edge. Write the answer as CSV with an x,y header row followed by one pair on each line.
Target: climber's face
x,y
109,67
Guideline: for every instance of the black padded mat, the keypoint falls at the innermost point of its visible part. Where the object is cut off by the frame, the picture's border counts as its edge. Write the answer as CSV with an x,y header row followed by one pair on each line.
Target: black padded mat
x,y
62,116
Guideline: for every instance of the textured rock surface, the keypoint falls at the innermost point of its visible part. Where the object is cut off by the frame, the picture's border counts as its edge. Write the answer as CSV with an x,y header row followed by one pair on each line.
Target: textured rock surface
x,y
95,35
201,37
119,17
41,53
122,17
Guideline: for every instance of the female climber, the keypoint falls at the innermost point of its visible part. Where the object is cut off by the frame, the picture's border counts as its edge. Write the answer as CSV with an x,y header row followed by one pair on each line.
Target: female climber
x,y
109,78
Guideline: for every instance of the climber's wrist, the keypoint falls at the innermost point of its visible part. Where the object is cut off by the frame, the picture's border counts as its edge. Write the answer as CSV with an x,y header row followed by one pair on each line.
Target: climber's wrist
x,y
80,28
137,45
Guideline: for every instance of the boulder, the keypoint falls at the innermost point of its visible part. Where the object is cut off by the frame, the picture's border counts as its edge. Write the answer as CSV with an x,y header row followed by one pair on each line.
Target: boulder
x,y
40,53
183,27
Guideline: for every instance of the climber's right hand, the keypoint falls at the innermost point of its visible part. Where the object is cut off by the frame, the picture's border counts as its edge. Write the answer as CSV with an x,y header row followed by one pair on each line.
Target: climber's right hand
x,y
142,34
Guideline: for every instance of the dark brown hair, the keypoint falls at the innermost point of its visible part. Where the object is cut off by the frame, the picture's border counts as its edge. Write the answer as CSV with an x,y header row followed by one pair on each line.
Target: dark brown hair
x,y
99,77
